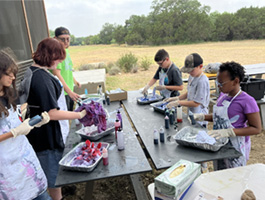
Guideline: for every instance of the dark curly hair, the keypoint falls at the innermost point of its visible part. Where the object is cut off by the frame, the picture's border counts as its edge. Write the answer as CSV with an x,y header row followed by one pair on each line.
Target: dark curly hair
x,y
234,69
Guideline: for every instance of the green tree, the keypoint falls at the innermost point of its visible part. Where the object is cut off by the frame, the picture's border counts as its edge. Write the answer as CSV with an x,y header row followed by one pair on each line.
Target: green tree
x,y
119,34
106,33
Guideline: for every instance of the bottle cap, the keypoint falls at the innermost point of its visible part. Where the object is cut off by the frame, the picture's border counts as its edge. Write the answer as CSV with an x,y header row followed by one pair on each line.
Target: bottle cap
x,y
104,150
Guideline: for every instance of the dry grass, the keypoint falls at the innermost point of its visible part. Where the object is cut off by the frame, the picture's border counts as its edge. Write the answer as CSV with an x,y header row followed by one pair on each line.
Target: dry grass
x,y
244,52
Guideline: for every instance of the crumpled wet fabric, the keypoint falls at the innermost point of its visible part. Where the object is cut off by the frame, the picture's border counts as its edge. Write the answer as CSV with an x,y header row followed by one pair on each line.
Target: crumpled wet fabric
x,y
95,115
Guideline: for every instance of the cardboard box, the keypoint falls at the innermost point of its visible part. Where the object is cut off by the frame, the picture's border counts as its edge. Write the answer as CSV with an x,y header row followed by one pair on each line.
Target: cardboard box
x,y
116,95
173,182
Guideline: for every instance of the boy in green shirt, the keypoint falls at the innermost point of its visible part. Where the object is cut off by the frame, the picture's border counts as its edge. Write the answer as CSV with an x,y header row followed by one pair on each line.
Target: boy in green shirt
x,y
64,70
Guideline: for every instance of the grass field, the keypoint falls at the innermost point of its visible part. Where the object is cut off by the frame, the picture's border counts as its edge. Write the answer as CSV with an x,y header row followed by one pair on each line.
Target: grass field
x,y
244,52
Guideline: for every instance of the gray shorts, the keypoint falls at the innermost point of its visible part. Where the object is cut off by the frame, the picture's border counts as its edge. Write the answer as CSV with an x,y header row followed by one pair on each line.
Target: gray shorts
x,y
49,160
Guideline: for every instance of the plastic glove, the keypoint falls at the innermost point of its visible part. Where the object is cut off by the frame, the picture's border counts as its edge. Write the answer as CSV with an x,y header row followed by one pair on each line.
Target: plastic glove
x,y
172,104
199,116
45,119
82,114
23,129
171,99
222,133
145,90
160,87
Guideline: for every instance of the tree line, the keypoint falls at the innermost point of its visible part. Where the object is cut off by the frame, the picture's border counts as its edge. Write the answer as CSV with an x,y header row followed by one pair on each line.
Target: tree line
x,y
181,21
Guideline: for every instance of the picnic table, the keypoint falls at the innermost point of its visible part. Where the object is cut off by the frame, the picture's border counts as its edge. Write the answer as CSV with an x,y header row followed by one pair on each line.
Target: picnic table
x,y
164,155
131,160
134,159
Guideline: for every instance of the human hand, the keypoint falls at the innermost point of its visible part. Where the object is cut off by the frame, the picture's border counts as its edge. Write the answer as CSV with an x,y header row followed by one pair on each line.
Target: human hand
x,y
160,87
172,104
23,129
45,119
145,90
82,114
74,96
222,133
171,99
199,116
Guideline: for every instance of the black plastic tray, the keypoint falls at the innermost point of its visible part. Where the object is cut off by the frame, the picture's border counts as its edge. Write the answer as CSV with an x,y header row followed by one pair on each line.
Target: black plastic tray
x,y
157,108
152,100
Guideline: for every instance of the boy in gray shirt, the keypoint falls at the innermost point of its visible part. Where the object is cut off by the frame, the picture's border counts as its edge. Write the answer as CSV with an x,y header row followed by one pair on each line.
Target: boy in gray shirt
x,y
197,96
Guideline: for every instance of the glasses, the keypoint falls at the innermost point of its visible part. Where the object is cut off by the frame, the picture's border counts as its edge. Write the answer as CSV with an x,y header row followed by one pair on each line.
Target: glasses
x,y
221,84
11,74
64,39
160,64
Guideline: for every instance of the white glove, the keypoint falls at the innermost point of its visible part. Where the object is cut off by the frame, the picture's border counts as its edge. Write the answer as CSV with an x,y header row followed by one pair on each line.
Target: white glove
x,y
145,90
199,116
160,87
171,99
82,114
172,104
222,133
23,129
45,119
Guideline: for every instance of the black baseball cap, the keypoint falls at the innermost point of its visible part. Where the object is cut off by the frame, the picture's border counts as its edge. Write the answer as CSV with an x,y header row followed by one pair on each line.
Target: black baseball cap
x,y
193,60
61,31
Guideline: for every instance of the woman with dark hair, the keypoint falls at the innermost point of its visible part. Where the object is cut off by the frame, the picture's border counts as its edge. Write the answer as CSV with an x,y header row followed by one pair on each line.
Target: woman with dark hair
x,y
21,176
233,110
46,94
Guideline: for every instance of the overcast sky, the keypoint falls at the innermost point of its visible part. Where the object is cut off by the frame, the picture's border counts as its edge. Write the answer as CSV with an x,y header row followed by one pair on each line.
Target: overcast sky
x,y
86,17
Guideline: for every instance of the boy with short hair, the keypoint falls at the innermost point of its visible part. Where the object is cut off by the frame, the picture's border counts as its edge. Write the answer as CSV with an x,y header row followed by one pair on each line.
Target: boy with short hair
x,y
64,70
168,74
197,96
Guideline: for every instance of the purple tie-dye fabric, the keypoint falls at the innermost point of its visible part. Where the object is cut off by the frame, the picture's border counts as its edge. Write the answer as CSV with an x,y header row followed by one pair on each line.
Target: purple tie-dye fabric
x,y
95,115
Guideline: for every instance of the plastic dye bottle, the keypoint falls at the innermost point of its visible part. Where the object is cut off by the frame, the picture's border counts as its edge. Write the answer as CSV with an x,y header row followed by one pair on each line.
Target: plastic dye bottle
x,y
105,156
118,115
167,112
108,100
179,114
117,126
155,136
162,134
171,117
120,139
191,116
174,113
166,122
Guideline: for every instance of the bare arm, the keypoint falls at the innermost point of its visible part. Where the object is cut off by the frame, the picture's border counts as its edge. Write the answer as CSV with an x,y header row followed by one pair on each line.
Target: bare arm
x,y
77,83
5,136
152,82
183,96
72,94
208,117
254,125
189,103
63,115
174,87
